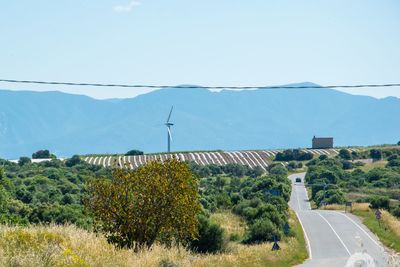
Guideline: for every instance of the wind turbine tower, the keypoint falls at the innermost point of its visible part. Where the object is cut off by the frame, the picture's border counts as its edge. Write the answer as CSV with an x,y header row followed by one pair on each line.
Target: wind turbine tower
x,y
169,124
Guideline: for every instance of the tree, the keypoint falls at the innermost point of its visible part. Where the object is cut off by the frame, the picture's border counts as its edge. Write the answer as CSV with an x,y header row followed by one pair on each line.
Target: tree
x,y
398,143
73,161
24,160
134,152
375,154
157,202
42,154
344,154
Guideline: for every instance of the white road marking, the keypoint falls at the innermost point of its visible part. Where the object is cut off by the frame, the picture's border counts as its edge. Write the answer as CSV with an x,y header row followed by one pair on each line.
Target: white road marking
x,y
298,200
341,241
306,236
365,232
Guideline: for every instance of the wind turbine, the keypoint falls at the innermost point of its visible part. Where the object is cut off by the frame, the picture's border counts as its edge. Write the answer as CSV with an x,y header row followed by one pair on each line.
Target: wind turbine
x,y
169,124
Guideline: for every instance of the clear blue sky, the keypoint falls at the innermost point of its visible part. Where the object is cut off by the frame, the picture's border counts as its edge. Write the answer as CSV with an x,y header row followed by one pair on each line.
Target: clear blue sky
x,y
208,42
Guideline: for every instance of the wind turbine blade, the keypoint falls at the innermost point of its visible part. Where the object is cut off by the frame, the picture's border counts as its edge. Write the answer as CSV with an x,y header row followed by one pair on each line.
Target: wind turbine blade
x,y
169,134
169,116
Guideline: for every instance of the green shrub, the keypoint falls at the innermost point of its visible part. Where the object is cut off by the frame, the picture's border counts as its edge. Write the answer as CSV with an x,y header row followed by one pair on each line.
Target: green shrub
x,y
344,154
262,230
396,211
379,202
322,157
211,237
347,165
73,161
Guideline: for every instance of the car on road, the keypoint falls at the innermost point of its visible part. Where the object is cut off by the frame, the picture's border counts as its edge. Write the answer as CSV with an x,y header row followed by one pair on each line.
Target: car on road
x,y
298,180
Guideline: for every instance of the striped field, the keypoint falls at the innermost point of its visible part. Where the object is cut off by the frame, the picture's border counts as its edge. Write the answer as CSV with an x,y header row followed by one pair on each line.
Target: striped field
x,y
251,158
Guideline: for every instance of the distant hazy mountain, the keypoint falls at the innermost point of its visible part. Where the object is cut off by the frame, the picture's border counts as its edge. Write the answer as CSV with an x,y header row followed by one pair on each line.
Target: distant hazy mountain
x,y
68,124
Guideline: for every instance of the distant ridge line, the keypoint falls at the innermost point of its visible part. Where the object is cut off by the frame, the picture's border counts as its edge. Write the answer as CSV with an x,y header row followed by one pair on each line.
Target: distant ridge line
x,y
198,86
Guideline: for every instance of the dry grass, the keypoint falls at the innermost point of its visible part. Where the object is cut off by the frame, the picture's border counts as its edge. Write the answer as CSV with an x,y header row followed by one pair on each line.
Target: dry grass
x,y
376,164
355,207
231,223
392,222
71,246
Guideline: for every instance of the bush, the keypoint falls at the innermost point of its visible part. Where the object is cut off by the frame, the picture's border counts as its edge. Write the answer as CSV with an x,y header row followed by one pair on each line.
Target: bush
x,y
396,211
293,154
375,154
394,163
211,237
134,152
73,161
379,202
344,154
347,165
322,157
262,230
278,170
24,160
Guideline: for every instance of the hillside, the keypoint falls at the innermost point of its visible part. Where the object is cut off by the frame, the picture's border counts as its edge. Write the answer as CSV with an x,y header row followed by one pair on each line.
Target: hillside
x,y
204,120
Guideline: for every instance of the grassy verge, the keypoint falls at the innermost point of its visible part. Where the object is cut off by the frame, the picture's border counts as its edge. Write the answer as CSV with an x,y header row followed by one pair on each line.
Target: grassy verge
x,y
388,230
70,246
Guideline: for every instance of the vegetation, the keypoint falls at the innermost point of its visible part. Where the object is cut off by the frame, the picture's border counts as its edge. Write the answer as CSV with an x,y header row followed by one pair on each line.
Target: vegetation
x,y
157,202
293,154
134,152
71,246
47,192
335,180
261,201
53,192
43,154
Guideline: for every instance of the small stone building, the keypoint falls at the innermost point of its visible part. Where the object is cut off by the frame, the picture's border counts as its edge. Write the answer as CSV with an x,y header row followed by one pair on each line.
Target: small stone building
x,y
322,142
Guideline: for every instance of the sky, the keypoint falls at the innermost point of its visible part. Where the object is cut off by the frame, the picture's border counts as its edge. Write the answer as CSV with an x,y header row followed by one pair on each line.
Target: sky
x,y
208,42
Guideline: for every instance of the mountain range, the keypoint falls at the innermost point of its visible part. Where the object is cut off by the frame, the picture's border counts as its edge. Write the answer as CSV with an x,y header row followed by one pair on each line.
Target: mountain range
x,y
68,124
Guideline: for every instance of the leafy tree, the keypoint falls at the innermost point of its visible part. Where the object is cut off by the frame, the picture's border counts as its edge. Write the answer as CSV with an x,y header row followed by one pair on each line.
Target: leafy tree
x,y
134,152
159,201
24,160
398,143
73,161
375,154
344,154
42,154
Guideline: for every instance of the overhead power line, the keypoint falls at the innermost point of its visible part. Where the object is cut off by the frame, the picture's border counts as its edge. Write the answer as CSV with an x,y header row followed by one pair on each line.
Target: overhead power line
x,y
198,86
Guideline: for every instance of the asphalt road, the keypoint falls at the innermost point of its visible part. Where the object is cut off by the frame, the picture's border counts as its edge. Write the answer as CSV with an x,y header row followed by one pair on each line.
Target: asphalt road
x,y
334,238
